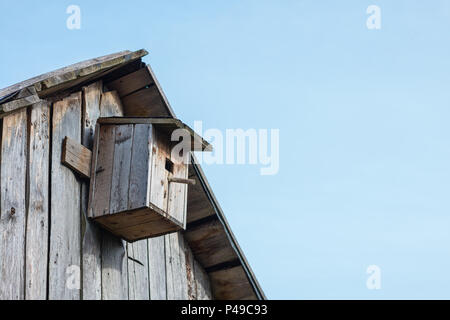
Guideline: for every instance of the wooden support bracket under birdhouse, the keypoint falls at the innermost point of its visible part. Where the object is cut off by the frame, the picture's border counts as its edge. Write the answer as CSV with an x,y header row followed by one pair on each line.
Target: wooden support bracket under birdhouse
x,y
76,157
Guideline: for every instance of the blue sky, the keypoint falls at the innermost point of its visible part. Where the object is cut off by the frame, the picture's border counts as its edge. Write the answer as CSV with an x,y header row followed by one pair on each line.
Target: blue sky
x,y
363,118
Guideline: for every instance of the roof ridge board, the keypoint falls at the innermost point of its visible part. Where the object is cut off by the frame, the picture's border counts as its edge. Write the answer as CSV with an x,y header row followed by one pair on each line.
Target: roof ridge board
x,y
86,64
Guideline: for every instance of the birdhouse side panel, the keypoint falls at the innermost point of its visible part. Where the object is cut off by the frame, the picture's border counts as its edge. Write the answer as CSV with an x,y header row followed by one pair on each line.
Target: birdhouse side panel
x,y
102,168
177,202
159,183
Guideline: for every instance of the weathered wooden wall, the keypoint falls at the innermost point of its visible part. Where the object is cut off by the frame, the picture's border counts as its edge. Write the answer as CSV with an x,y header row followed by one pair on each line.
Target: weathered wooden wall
x,y
48,247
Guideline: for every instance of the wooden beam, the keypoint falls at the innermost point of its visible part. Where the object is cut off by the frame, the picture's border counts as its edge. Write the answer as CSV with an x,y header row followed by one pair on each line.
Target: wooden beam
x,y
131,82
76,157
65,204
210,244
232,284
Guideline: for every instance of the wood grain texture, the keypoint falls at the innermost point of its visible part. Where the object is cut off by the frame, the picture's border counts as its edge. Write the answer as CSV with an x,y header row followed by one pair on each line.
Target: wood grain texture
x,y
121,169
232,284
111,104
138,276
76,157
114,250
210,244
13,208
159,185
65,229
140,174
38,210
101,177
176,267
91,233
146,102
114,268
157,268
131,82
177,201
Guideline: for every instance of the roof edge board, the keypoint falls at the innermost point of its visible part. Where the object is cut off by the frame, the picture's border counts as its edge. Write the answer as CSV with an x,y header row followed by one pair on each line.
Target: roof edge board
x,y
63,78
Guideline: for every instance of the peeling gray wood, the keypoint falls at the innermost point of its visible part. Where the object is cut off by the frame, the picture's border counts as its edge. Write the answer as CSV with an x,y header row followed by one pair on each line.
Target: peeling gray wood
x,y
157,268
13,215
92,235
138,277
38,213
65,229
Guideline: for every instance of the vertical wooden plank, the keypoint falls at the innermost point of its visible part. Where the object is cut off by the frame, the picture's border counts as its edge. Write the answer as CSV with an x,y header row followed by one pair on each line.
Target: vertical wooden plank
x,y
138,271
119,194
114,250
114,268
91,233
176,267
65,232
111,105
190,276
177,194
175,205
158,191
38,214
202,283
158,196
140,159
121,168
101,186
13,215
157,268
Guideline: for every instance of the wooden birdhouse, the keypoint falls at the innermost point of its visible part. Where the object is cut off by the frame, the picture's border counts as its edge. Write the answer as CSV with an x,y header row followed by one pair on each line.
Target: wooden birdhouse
x,y
138,187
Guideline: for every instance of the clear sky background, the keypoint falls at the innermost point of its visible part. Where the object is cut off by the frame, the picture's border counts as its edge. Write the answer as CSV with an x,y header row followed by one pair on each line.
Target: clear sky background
x,y
363,118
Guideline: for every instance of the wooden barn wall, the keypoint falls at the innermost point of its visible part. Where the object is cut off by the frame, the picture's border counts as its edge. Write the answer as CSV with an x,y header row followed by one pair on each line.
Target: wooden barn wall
x,y
48,247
